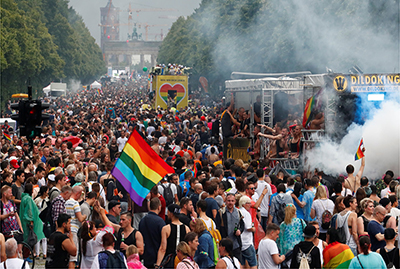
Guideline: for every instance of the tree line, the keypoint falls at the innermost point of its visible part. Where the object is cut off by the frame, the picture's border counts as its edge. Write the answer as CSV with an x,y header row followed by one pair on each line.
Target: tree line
x,y
45,41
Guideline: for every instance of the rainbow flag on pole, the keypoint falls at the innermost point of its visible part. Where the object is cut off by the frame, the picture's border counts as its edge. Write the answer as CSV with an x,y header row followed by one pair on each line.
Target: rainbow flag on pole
x,y
139,168
311,104
360,153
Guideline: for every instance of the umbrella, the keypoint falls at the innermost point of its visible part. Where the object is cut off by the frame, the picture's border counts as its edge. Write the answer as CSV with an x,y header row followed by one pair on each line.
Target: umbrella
x,y
53,140
74,140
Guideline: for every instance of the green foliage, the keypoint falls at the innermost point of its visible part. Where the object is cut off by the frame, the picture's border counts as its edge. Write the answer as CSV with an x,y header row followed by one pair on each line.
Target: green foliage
x,y
45,41
273,36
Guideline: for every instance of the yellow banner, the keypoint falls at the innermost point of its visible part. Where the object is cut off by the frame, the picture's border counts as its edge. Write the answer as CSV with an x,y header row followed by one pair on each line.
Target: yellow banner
x,y
171,91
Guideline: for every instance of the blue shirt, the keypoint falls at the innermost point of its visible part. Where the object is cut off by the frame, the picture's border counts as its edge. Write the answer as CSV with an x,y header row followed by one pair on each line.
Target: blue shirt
x,y
308,197
211,205
299,210
373,229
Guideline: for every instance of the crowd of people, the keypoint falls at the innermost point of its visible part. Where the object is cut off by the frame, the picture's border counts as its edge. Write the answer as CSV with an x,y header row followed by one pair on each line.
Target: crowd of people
x,y
211,213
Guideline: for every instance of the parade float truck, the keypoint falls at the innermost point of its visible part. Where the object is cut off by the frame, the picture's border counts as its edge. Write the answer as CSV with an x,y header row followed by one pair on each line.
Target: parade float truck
x,y
169,90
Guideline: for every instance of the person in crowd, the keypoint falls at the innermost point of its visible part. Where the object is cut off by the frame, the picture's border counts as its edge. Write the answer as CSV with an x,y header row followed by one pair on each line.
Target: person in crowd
x,y
73,209
87,205
320,205
390,253
192,240
232,225
30,216
114,211
228,260
278,203
56,190
268,255
307,248
367,206
183,253
319,243
17,187
150,227
169,235
10,220
389,221
201,210
248,250
13,261
187,211
204,256
133,259
212,205
367,258
348,219
58,204
336,254
352,181
308,197
291,230
91,242
264,206
61,244
376,230
101,259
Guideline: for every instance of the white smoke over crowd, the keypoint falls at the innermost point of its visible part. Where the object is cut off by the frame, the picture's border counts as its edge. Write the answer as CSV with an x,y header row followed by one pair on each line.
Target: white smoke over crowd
x,y
381,134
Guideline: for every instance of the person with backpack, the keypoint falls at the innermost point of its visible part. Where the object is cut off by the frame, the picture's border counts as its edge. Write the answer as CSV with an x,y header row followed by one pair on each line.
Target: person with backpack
x,y
109,258
206,254
248,250
305,254
347,220
367,259
390,253
278,204
168,191
322,209
56,190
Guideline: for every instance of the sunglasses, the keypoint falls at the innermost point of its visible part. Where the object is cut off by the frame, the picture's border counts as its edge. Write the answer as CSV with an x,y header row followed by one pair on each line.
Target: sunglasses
x,y
251,188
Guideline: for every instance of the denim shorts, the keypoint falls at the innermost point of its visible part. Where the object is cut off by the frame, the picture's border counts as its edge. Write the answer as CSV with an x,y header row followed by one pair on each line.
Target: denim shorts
x,y
249,254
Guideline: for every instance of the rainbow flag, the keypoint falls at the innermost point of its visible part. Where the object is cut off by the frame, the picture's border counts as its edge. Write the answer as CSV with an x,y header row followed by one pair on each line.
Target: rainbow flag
x,y
360,153
139,168
337,255
99,91
7,136
311,104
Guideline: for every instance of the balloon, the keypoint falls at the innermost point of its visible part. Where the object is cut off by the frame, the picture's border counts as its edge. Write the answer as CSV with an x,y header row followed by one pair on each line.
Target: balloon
x,y
108,37
145,69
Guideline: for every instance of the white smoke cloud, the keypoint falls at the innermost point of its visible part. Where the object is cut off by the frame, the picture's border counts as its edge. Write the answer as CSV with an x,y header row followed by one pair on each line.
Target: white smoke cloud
x,y
381,135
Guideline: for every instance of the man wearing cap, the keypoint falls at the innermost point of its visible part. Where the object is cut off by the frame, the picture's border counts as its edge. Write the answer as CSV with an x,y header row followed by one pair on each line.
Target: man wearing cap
x,y
307,248
114,210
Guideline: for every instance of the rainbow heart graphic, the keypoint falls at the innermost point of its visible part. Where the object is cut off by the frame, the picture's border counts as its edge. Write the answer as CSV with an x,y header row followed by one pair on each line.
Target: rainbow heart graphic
x,y
180,92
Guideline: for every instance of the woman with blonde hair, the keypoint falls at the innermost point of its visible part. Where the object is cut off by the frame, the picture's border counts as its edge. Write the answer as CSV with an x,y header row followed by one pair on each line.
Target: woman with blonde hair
x,y
204,255
291,230
183,253
320,205
367,206
132,258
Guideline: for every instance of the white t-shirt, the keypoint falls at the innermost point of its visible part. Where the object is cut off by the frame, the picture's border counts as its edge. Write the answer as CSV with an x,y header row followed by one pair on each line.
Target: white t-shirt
x,y
14,263
72,208
162,140
229,264
121,143
246,236
264,206
346,192
93,247
267,248
385,192
320,205
209,224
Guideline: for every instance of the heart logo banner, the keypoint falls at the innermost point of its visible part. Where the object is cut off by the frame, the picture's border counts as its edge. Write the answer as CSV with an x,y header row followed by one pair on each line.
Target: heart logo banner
x,y
173,88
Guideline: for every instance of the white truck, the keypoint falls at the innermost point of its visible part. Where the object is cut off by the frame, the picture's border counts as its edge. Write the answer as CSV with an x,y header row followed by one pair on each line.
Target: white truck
x,y
55,90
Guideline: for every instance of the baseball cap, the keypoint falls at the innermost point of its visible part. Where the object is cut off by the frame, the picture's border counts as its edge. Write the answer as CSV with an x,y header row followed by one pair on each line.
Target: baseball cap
x,y
309,231
113,203
14,163
51,177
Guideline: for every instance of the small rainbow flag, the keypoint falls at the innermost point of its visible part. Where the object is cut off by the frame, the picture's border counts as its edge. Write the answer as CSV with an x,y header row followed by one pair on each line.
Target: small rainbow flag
x,y
360,153
7,136
139,168
99,91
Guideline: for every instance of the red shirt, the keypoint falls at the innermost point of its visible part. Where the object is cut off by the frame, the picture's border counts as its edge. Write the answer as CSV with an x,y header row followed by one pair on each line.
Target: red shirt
x,y
163,206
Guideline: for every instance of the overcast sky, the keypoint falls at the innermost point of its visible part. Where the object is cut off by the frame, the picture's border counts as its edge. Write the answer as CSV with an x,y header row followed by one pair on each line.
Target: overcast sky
x,y
90,12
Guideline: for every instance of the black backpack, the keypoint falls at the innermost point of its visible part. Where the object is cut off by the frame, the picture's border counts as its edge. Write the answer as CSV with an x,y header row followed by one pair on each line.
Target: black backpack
x,y
115,260
168,196
46,216
341,231
280,214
